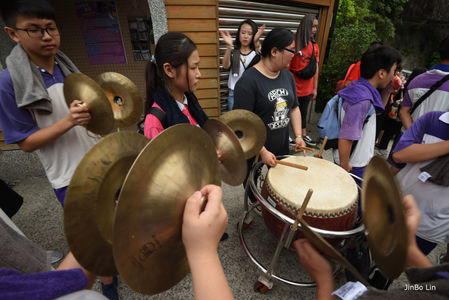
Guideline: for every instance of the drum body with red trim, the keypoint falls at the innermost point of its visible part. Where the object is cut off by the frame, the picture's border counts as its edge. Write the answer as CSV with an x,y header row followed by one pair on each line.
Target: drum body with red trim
x,y
333,205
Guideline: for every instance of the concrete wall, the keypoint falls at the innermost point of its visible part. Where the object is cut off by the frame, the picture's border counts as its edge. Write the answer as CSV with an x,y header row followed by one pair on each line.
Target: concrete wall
x,y
6,44
73,45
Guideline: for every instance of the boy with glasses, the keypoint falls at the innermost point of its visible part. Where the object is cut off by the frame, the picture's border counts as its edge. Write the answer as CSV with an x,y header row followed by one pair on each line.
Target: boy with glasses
x,y
33,111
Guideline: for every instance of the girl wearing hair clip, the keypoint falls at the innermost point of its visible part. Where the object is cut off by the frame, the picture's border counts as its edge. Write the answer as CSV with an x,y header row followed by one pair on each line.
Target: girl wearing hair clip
x,y
244,54
172,76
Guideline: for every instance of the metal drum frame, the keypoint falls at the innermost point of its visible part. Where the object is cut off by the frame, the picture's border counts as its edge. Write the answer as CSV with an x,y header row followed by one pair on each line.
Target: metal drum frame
x,y
268,273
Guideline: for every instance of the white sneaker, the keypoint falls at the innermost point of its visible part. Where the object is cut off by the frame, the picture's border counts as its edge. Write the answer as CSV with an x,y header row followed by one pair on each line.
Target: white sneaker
x,y
441,258
309,141
381,152
54,256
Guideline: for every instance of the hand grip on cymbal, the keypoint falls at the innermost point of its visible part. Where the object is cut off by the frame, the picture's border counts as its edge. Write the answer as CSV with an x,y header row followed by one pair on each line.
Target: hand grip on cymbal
x,y
84,104
203,203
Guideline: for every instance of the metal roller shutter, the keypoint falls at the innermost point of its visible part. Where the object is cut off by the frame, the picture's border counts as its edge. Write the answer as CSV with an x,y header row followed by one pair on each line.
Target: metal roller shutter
x,y
232,12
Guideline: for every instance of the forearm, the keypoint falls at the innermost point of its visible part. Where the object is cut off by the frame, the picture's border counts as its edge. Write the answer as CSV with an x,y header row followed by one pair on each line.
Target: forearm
x,y
227,57
406,118
325,287
344,151
262,151
258,46
421,152
209,280
315,78
70,262
295,116
415,258
46,135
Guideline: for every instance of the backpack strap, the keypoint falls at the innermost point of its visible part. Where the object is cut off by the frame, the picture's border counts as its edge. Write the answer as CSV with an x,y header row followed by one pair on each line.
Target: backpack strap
x,y
159,114
254,61
235,62
370,112
430,91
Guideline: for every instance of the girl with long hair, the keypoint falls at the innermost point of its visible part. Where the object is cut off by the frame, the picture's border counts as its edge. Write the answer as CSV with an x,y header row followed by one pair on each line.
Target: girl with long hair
x,y
244,54
172,78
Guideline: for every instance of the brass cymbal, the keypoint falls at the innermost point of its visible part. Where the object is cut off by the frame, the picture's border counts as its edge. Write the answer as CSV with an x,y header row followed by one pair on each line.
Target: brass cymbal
x,y
78,86
147,246
384,218
124,97
325,248
248,127
232,161
91,198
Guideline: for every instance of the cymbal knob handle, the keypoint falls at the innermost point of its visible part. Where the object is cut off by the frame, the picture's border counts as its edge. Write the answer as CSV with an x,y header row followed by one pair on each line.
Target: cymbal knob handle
x,y
203,203
81,104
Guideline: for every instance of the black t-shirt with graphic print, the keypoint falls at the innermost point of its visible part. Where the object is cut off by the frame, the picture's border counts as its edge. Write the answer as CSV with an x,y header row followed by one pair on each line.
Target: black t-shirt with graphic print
x,y
270,99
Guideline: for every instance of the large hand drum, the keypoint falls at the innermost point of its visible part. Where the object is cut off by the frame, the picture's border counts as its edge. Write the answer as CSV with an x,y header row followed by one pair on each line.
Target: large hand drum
x,y
333,205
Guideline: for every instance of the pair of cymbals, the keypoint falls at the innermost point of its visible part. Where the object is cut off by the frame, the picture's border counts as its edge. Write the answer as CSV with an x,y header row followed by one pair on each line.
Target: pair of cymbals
x,y
147,245
91,199
132,225
384,220
113,101
230,154
249,129
238,135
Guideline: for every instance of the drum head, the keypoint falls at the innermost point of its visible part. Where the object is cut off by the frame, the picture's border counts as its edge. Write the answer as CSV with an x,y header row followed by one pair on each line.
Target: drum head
x,y
334,191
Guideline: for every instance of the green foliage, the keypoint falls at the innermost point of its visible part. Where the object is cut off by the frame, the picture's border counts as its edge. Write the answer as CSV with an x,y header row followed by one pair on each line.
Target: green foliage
x,y
358,24
348,45
435,58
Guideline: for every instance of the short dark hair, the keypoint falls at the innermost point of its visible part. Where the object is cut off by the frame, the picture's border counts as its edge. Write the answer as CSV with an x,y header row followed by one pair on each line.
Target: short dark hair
x,y
237,43
174,48
444,48
31,8
375,44
382,57
277,38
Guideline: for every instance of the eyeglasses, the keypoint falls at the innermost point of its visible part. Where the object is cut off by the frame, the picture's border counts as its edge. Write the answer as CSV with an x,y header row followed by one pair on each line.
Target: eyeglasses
x,y
39,32
290,50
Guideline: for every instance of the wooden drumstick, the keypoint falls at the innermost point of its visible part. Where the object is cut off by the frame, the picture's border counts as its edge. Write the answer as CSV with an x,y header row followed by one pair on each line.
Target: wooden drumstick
x,y
304,204
306,148
319,155
294,227
289,164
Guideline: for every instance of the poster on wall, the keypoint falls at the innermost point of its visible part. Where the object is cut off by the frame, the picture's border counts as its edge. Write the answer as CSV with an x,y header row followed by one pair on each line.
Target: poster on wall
x,y
101,33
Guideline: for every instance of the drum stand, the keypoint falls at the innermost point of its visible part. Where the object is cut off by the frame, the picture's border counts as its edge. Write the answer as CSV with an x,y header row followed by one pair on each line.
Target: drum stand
x,y
265,280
